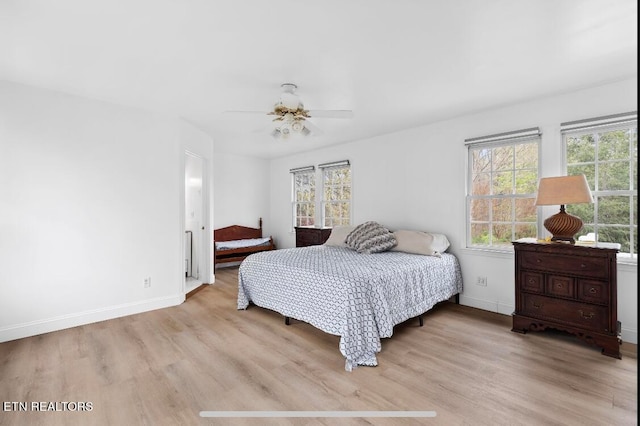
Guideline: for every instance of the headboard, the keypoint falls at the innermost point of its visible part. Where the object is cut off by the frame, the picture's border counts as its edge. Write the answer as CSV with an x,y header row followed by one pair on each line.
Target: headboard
x,y
237,232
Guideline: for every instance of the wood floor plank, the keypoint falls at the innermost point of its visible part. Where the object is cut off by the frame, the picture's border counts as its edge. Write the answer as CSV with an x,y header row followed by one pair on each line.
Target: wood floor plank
x,y
164,367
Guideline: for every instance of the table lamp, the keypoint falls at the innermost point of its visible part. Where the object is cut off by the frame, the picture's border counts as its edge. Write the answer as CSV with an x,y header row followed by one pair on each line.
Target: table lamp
x,y
563,190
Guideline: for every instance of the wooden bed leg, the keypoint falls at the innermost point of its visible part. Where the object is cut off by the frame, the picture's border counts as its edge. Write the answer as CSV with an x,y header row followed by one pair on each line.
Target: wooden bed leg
x,y
420,320
287,320
457,299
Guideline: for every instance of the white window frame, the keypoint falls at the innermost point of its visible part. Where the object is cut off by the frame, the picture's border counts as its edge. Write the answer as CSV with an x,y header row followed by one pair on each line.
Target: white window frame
x,y
326,168
311,171
595,127
531,135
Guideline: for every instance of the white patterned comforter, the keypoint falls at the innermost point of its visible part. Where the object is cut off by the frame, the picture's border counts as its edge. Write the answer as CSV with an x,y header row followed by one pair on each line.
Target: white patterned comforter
x,y
359,297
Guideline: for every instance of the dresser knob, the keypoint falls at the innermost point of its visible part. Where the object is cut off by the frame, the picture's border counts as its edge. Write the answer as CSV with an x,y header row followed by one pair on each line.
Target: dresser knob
x,y
582,265
532,281
536,305
593,290
559,285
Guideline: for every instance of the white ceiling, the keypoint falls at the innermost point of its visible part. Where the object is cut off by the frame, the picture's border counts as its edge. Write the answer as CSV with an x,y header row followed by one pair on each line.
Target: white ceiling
x,y
396,64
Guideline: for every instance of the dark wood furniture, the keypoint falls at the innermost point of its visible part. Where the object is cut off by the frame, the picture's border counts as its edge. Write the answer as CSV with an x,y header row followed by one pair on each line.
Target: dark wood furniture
x,y
570,288
306,236
237,232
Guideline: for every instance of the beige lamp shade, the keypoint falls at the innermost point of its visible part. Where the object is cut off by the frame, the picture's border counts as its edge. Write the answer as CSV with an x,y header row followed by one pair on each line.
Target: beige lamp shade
x,y
563,190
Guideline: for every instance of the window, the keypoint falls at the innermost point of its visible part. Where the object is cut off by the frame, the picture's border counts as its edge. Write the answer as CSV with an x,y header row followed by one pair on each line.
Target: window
x,y
605,150
502,182
336,193
303,196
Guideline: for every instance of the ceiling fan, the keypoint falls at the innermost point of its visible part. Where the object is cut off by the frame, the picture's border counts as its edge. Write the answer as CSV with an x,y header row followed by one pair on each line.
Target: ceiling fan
x,y
291,118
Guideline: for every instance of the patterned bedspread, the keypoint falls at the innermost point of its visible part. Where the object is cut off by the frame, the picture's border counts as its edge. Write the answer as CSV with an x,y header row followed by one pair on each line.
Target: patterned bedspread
x,y
359,297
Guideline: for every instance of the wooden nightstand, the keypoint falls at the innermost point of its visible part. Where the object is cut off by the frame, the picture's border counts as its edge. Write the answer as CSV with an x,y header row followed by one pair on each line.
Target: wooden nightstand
x,y
570,288
306,236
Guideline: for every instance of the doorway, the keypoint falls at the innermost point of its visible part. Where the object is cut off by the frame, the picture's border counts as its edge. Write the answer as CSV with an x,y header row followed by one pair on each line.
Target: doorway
x,y
194,222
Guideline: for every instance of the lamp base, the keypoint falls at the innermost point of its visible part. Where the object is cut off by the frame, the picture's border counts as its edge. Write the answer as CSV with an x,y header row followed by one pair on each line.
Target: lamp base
x,y
563,226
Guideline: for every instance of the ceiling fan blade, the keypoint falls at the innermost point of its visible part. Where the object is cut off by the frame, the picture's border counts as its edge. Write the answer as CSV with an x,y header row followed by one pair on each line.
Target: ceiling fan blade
x,y
245,112
331,113
315,130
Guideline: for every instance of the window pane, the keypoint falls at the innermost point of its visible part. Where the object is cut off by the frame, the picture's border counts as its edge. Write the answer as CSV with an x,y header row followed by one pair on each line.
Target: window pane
x,y
613,145
481,160
526,231
502,234
480,233
526,210
480,184
581,149
502,210
526,181
614,210
527,156
503,158
480,210
612,176
503,183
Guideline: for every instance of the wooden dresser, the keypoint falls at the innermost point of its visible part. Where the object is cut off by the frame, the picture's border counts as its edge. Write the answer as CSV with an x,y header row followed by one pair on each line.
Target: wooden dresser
x,y
570,288
306,236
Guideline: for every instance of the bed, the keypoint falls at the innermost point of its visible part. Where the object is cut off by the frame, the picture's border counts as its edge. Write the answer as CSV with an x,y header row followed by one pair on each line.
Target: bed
x,y
357,296
234,243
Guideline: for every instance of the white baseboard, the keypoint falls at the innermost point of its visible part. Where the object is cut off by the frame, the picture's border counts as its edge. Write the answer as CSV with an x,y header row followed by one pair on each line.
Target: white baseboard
x,y
34,328
487,305
628,335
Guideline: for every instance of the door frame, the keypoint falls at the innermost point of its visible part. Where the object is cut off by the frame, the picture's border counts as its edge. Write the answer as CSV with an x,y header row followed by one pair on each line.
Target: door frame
x,y
205,253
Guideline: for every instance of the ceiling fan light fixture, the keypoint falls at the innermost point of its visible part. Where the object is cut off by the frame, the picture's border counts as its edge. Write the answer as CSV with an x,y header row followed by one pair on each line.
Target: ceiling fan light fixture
x,y
297,126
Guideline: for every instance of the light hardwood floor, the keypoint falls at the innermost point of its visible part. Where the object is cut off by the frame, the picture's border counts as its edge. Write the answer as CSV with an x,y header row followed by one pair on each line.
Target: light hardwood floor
x,y
164,367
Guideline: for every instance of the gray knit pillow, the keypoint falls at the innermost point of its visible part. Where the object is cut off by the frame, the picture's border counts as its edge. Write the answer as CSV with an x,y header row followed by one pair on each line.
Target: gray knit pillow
x,y
370,237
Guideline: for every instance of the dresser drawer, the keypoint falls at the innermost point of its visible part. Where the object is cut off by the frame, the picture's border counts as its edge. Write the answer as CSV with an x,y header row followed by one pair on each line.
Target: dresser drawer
x,y
596,267
583,315
307,238
532,282
593,291
558,285
311,236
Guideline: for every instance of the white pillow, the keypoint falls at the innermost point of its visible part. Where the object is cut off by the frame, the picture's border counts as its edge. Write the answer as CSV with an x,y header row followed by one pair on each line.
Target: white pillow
x,y
417,242
339,235
440,242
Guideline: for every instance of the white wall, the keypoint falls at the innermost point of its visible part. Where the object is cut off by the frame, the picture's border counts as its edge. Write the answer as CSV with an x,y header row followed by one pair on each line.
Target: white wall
x,y
242,192
416,179
91,203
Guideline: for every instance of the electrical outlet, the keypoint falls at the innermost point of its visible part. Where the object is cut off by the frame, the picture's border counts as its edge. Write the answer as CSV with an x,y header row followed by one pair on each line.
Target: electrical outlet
x,y
147,282
481,281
